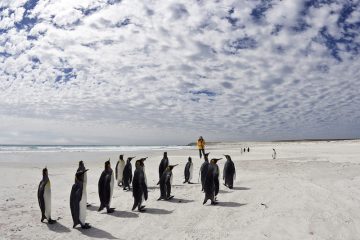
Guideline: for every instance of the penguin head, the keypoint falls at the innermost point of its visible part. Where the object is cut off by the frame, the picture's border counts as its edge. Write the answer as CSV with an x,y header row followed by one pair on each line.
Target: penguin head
x,y
215,160
121,157
170,167
81,164
129,159
189,159
45,172
79,175
165,154
107,165
143,159
206,156
228,157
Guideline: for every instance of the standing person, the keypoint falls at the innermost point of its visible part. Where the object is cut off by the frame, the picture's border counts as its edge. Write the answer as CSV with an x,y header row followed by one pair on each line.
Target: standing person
x,y
201,146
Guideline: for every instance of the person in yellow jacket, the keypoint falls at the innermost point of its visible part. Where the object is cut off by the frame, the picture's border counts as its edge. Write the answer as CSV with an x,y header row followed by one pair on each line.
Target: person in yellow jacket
x,y
201,146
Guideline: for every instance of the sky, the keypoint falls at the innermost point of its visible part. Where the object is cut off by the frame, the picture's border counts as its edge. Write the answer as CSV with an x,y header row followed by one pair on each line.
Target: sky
x,y
153,72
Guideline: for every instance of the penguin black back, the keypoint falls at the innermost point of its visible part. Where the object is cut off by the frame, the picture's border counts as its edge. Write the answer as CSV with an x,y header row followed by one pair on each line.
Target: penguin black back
x,y
165,183
140,190
188,171
204,170
164,163
229,172
127,175
105,187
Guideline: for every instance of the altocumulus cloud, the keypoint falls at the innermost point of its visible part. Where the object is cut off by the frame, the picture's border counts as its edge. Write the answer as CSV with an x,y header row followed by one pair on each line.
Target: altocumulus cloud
x,y
106,71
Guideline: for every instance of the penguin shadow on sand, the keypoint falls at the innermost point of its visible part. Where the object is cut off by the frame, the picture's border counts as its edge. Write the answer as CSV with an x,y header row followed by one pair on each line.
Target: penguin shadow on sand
x,y
116,213
58,227
228,190
230,204
180,200
240,188
94,232
157,211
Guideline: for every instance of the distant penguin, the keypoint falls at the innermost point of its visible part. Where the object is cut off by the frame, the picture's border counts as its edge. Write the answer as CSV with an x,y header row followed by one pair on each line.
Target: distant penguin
x,y
248,149
119,169
44,197
188,171
165,183
164,163
140,191
78,200
106,186
204,170
274,154
127,174
244,150
211,186
229,172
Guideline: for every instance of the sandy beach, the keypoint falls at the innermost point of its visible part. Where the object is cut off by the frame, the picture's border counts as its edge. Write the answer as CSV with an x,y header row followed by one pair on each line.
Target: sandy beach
x,y
311,191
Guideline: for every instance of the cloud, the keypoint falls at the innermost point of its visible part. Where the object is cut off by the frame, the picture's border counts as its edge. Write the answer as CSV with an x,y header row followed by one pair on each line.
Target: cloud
x,y
225,69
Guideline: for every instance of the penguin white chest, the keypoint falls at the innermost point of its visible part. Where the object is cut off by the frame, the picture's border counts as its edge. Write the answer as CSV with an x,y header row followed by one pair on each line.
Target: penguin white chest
x,y
145,179
47,200
120,171
111,186
191,171
82,207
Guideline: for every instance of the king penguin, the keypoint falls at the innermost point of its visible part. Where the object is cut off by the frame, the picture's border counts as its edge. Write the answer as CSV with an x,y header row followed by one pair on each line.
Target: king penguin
x,y
78,200
204,170
188,171
119,169
44,197
140,191
165,183
106,186
127,174
164,163
82,168
211,186
229,172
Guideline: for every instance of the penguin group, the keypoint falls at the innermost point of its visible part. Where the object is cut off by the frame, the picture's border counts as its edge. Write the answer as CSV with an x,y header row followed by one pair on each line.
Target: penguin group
x,y
124,177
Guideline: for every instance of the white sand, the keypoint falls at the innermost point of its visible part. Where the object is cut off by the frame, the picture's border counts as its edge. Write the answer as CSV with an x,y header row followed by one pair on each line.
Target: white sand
x,y
311,191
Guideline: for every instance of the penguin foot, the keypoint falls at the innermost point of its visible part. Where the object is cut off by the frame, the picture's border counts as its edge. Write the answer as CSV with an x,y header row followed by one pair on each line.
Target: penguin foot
x,y
75,225
100,208
190,183
160,198
88,205
170,197
86,226
205,200
141,209
51,221
110,210
43,218
214,203
185,182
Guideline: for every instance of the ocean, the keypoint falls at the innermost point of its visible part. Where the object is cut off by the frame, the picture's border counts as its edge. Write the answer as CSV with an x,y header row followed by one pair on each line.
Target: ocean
x,y
84,148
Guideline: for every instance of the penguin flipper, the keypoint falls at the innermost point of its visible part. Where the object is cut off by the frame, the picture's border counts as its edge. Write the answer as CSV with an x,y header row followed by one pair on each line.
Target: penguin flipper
x,y
41,200
116,170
